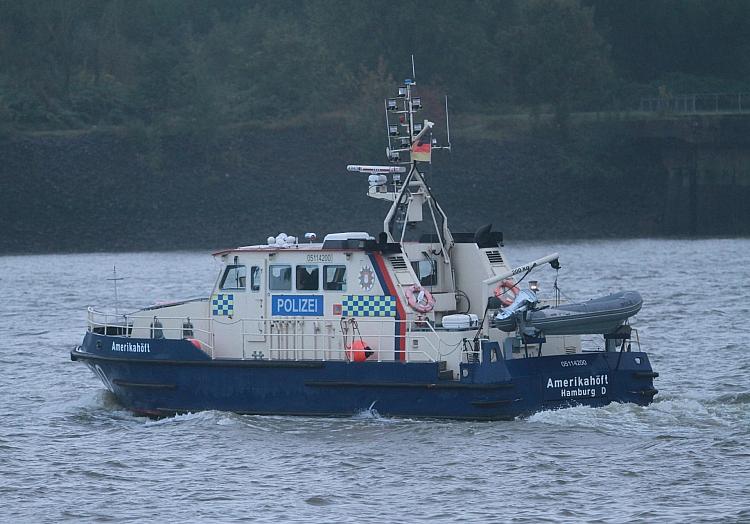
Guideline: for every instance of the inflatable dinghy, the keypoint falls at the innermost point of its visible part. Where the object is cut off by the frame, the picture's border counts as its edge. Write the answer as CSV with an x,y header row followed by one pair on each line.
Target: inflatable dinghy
x,y
599,315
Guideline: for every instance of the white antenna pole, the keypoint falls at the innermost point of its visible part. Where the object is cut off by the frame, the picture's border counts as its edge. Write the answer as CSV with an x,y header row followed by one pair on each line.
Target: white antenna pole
x,y
413,74
447,123
387,131
114,279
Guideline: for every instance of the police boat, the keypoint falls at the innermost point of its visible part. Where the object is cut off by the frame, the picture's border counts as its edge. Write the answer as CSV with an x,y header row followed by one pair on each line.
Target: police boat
x,y
417,321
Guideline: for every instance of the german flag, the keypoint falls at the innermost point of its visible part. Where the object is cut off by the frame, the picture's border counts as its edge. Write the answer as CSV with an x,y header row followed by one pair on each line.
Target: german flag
x,y
421,151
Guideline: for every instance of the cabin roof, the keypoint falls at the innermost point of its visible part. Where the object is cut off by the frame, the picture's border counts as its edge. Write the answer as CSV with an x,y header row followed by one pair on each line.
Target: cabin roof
x,y
264,248
348,241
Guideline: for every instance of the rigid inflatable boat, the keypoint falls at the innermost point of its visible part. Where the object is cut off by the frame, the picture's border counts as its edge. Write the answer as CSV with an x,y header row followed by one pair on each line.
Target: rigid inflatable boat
x,y
596,316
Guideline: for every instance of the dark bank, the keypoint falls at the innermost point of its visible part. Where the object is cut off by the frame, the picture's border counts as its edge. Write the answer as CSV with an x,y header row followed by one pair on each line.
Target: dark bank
x,y
111,190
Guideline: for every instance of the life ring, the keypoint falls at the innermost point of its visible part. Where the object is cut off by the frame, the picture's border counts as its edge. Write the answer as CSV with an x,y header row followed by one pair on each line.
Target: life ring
x,y
502,289
420,299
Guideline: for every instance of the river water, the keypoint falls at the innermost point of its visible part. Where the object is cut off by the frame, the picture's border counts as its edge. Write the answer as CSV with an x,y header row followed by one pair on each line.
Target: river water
x,y
69,452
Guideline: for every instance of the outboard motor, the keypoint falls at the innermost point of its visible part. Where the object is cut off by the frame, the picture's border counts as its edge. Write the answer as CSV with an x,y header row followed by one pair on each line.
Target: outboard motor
x,y
506,319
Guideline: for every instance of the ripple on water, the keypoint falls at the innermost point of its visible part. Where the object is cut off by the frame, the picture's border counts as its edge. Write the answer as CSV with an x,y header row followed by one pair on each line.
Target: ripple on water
x,y
319,501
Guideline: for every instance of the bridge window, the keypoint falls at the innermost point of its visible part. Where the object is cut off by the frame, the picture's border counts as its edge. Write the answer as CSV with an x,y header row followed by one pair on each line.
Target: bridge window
x,y
280,277
426,271
234,277
308,278
334,278
255,276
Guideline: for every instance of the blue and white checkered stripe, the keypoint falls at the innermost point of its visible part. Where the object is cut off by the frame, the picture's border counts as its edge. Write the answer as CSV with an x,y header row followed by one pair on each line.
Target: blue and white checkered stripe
x,y
368,306
223,304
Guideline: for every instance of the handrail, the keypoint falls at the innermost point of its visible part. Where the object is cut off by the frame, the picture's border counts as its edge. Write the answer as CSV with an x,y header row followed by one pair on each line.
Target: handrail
x,y
417,332
712,103
119,321
277,334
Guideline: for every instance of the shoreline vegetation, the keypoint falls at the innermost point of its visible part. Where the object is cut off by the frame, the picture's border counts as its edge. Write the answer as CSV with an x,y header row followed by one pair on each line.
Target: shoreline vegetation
x,y
190,64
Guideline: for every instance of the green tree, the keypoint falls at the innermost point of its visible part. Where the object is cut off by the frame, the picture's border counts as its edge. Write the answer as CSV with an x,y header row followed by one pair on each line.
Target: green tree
x,y
557,56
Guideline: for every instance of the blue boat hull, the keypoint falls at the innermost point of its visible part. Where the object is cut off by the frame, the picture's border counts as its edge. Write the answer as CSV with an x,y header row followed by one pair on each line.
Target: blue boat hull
x,y
164,377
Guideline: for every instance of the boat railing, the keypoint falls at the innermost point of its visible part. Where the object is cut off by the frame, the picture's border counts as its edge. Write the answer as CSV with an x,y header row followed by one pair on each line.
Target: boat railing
x,y
159,327
593,343
290,338
285,338
636,338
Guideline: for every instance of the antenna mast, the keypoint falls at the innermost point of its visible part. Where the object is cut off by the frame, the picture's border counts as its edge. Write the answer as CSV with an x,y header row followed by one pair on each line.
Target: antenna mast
x,y
447,124
402,182
405,133
114,280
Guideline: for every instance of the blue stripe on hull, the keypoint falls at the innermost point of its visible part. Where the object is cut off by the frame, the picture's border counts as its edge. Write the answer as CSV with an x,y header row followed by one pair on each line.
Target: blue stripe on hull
x,y
161,383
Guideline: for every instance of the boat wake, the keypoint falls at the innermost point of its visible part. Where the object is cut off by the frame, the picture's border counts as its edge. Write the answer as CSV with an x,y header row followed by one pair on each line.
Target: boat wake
x,y
368,414
677,417
199,418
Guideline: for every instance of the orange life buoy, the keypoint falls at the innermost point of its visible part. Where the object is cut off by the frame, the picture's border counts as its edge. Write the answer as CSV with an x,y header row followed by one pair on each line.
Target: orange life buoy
x,y
420,299
359,351
503,288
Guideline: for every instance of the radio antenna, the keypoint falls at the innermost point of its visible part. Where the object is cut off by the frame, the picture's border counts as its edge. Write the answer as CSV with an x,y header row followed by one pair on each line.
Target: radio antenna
x,y
114,280
413,74
447,123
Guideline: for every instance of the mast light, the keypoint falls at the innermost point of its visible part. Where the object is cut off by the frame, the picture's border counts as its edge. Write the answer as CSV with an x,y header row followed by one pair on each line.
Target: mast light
x,y
377,180
416,102
393,130
391,104
402,92
417,127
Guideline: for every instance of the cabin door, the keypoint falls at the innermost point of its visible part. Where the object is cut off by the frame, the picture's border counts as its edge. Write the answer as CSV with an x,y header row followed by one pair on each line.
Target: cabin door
x,y
237,312
228,305
255,328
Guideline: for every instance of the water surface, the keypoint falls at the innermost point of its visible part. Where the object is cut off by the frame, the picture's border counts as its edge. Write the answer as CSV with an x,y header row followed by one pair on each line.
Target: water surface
x,y
69,452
